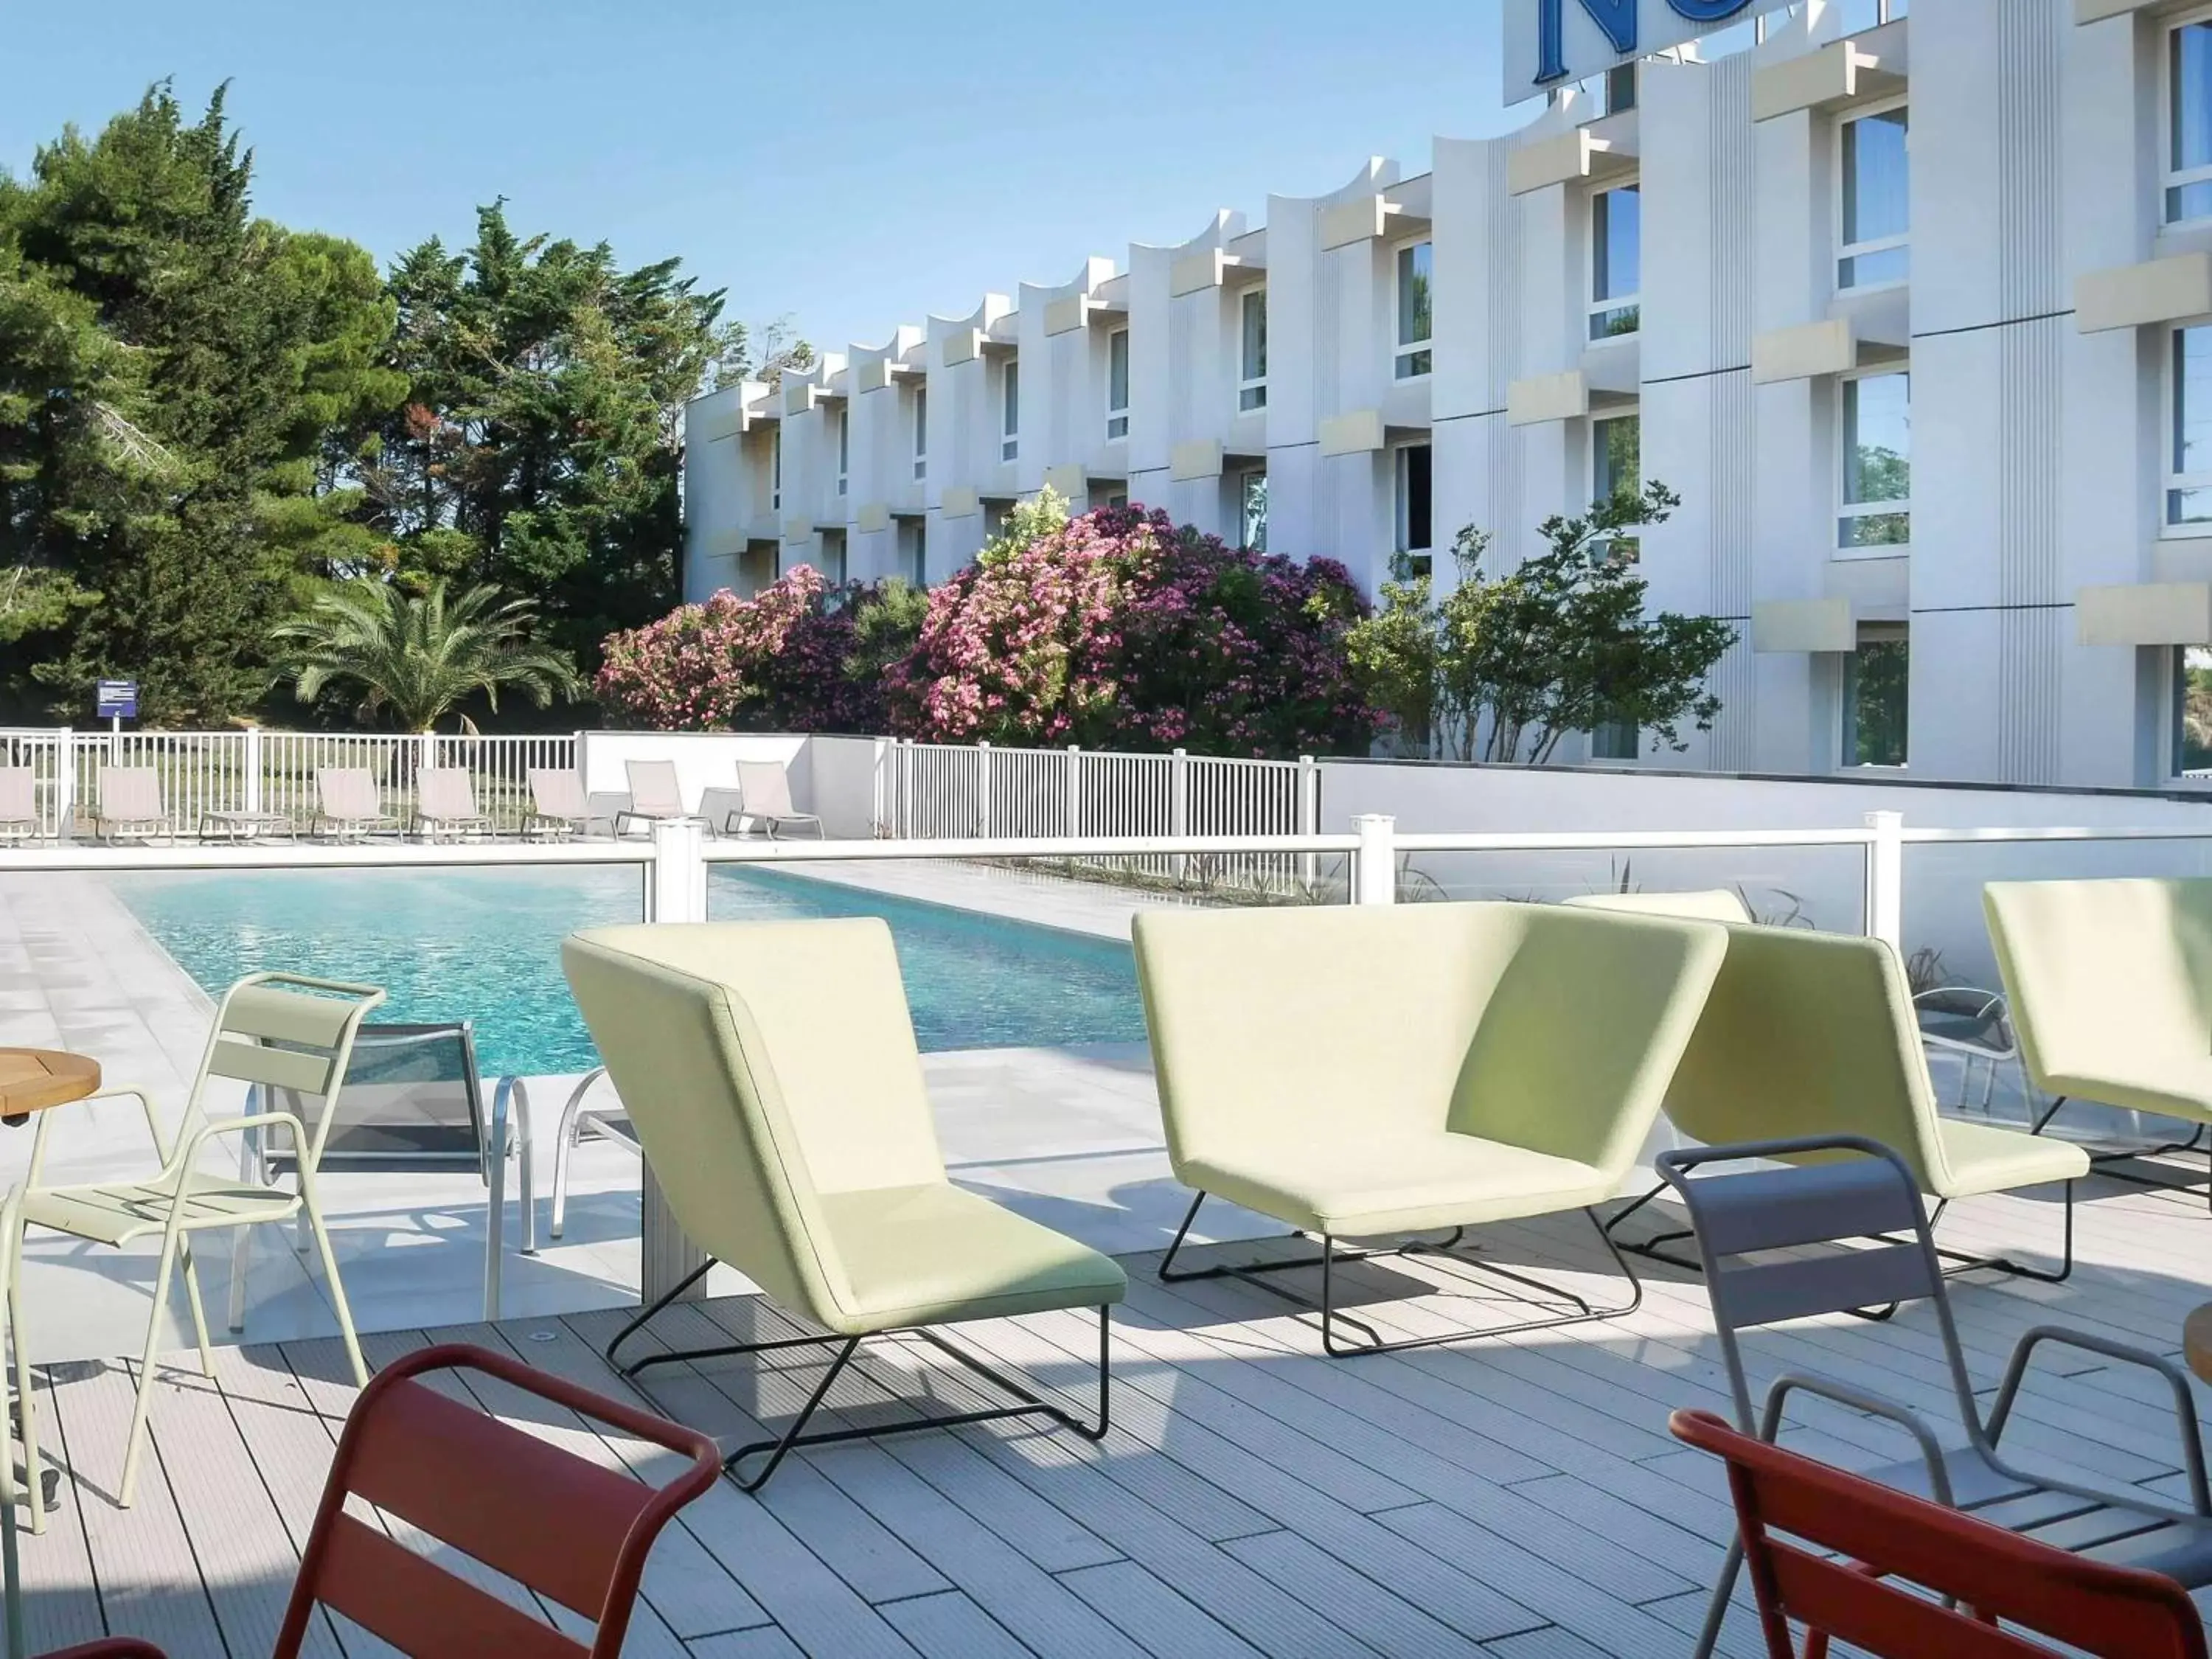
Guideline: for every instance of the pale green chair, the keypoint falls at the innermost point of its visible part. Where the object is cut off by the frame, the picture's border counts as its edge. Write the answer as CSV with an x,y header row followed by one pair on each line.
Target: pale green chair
x,y
1810,1034
279,1032
1373,1072
2110,983
770,1073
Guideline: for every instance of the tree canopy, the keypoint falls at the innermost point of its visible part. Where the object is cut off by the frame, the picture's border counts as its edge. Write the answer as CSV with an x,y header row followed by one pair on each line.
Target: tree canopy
x,y
207,419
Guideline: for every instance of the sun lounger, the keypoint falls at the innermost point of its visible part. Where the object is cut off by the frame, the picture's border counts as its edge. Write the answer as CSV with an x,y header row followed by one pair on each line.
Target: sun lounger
x,y
764,796
446,804
348,806
130,806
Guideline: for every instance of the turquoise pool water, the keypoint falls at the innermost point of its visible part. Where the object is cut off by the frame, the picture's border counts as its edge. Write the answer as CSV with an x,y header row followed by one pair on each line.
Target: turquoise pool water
x,y
484,945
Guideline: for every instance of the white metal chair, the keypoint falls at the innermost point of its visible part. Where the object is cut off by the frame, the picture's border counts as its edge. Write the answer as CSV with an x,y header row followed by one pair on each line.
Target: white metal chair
x,y
415,1102
580,1122
765,792
130,805
348,806
446,804
1975,1024
274,1031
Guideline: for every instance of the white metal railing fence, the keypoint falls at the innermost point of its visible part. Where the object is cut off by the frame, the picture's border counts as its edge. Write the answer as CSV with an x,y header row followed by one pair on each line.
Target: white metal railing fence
x,y
271,772
935,792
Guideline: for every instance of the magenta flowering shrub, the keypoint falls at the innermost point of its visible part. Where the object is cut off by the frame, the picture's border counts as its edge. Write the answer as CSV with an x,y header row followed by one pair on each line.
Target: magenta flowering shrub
x,y
775,662
1118,630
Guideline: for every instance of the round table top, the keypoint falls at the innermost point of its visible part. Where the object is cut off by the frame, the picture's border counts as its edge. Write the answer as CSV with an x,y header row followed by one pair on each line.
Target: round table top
x,y
32,1079
2196,1341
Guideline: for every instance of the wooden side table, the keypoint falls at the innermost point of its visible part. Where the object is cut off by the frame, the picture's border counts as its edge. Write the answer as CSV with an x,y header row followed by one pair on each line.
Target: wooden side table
x,y
2196,1341
31,1080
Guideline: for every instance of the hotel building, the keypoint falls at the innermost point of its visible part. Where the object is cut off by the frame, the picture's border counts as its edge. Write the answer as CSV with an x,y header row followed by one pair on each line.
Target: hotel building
x,y
1913,308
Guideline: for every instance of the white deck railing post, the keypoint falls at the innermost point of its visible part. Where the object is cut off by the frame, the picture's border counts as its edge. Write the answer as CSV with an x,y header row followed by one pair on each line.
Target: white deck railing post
x,y
983,790
251,764
676,891
1179,805
1074,790
1885,874
1375,864
65,778
1308,818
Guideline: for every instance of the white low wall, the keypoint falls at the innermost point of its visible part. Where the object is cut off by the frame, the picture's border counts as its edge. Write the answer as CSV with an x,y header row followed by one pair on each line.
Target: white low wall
x,y
1474,799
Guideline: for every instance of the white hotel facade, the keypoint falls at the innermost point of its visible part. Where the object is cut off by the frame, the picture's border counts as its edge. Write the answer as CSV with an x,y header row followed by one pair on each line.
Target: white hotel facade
x,y
1913,311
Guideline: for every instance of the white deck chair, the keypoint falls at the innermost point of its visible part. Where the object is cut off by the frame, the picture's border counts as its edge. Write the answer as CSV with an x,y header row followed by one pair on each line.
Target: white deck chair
x,y
654,794
559,809
446,804
18,803
130,805
348,806
764,788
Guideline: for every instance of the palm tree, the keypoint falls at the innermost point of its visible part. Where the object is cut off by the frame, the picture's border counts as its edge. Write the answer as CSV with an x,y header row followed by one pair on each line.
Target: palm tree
x,y
417,658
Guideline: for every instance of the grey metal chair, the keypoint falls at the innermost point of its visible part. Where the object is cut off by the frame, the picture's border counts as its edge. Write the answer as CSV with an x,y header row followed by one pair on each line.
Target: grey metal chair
x,y
414,1101
1871,1200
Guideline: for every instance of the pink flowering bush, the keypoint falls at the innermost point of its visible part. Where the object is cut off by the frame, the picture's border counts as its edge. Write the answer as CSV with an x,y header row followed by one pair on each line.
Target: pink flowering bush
x,y
775,662
1116,629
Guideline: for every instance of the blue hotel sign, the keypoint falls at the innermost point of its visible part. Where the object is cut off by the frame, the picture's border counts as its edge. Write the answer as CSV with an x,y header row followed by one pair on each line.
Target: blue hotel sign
x,y
1550,41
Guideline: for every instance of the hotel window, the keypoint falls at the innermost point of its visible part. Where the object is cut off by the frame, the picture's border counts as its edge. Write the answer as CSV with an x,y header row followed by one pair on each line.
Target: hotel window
x,y
844,449
775,469
1252,350
1010,409
1875,509
2189,120
1616,443
1252,509
1415,262
1117,383
1874,201
1415,536
2189,456
1876,680
922,432
2192,711
1616,261
1860,15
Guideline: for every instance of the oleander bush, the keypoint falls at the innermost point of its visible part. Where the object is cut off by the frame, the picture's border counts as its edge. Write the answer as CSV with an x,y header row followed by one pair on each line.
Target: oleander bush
x,y
773,663
1116,628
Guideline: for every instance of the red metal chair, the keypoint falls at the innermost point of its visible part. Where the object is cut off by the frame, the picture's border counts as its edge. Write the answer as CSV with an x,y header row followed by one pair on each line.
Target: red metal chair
x,y
1879,1533
572,1531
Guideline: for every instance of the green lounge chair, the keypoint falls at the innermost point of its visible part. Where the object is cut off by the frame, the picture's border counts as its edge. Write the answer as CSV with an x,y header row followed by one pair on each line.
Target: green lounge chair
x,y
280,1032
1813,1034
1364,1072
771,1072
2111,984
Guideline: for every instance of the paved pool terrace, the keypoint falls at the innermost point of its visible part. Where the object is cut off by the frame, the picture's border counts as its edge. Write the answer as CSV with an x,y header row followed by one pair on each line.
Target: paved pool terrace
x,y
1068,1135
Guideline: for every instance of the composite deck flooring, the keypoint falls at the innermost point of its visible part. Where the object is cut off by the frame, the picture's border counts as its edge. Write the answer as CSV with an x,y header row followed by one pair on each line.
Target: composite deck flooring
x,y
1518,1498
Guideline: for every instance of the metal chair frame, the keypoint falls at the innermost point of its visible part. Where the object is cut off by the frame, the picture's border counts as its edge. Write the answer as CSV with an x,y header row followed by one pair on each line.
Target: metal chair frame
x,y
1806,1203
1463,1266
775,1449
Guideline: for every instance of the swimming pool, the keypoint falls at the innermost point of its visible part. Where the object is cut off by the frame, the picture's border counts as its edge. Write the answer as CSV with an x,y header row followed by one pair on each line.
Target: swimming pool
x,y
484,945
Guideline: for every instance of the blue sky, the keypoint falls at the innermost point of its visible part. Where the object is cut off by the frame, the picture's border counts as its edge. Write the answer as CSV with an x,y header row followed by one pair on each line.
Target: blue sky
x,y
804,153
